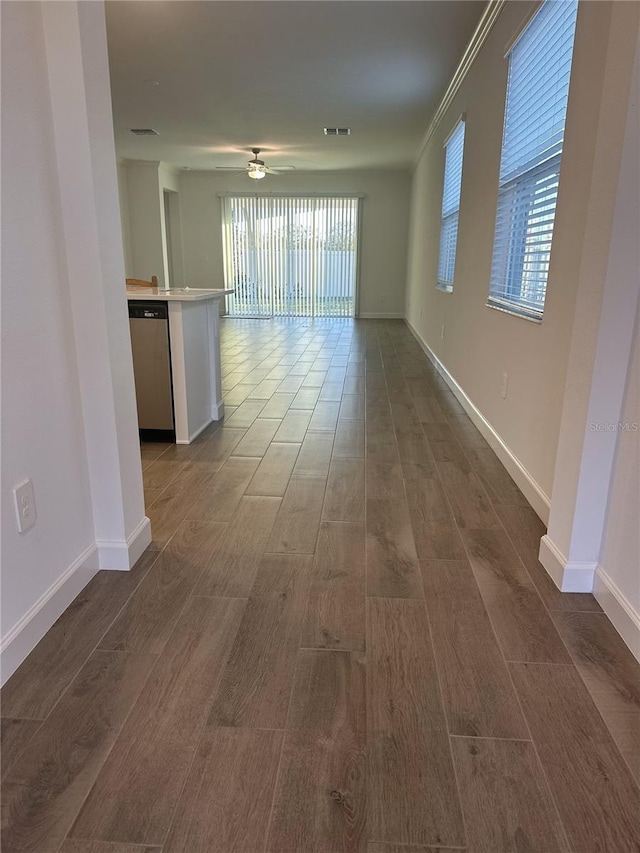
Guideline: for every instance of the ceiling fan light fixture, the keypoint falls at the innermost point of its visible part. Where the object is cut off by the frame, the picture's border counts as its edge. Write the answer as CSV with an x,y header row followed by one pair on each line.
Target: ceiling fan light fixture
x,y
257,173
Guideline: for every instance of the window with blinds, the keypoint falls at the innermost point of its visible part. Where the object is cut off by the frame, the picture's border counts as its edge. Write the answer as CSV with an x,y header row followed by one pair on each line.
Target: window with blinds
x,y
290,255
453,154
536,109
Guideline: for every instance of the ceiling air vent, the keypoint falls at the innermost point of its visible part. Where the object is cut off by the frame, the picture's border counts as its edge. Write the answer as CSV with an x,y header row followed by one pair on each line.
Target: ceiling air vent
x,y
144,131
337,131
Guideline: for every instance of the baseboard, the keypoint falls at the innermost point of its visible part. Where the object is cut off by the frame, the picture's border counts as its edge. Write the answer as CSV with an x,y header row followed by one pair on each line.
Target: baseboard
x,y
197,432
31,628
525,481
623,616
383,316
552,559
568,575
139,541
122,556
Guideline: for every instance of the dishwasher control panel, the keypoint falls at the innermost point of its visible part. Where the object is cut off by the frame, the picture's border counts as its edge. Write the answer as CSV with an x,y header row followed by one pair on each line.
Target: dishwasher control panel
x,y
148,311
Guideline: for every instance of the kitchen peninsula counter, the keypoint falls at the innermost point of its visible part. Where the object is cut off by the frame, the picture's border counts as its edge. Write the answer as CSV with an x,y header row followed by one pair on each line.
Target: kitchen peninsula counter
x,y
194,335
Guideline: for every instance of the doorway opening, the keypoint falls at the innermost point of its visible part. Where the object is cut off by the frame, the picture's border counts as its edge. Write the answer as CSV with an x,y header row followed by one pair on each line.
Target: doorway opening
x,y
291,256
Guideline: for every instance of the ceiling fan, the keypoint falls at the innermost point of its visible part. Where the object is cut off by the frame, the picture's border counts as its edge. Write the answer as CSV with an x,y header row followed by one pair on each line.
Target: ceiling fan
x,y
256,168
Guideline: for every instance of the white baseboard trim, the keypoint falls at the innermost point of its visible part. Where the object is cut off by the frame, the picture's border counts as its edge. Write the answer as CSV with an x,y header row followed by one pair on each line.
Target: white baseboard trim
x,y
526,482
217,411
20,640
383,316
568,576
553,561
196,432
623,616
139,541
122,556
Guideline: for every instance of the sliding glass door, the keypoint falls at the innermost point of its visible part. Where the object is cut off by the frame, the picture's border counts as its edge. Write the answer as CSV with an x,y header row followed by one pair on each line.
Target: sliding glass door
x,y
290,256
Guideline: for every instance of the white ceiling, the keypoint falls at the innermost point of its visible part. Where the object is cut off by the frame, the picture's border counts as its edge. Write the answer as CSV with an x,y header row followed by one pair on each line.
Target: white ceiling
x,y
234,75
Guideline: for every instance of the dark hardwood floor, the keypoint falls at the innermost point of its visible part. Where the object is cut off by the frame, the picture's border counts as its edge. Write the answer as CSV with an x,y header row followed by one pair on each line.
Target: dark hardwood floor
x,y
339,641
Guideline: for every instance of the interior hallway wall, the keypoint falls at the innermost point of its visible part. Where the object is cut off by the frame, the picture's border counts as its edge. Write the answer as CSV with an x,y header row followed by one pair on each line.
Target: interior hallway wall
x,y
594,527
617,581
68,400
42,420
477,344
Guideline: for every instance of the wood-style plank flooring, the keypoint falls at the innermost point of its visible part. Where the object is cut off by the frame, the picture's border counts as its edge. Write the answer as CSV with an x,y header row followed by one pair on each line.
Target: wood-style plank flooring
x,y
340,640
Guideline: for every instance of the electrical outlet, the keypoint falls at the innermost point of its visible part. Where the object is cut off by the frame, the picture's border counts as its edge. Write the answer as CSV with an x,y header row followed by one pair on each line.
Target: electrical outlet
x,y
25,505
442,333
504,386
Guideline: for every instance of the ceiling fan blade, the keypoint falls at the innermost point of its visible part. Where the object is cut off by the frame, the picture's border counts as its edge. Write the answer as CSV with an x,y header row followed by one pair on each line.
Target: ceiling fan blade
x,y
278,170
230,169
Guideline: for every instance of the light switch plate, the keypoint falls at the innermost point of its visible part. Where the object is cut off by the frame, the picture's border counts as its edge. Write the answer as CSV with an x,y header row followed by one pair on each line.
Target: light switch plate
x,y
25,505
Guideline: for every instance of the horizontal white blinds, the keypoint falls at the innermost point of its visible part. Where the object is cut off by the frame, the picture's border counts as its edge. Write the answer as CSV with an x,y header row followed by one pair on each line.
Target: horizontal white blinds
x,y
453,170
448,244
454,150
536,108
290,256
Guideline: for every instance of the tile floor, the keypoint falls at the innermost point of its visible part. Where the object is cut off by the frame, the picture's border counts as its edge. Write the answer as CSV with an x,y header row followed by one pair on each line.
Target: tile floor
x,y
340,639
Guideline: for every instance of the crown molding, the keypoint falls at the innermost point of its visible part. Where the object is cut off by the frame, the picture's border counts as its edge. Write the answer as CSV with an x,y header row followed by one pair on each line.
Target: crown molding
x,y
479,37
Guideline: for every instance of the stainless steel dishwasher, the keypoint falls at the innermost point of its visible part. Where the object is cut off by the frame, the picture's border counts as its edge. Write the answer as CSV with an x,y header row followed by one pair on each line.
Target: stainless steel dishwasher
x,y
150,344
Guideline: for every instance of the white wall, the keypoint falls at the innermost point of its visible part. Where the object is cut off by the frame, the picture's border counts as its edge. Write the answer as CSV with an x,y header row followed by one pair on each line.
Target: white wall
x,y
142,185
602,323
384,227
145,217
480,343
68,400
168,185
123,198
618,575
87,172
42,420
594,525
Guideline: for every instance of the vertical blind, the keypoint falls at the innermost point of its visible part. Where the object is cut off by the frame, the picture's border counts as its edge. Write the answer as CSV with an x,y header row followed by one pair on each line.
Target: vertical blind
x,y
290,256
536,109
454,150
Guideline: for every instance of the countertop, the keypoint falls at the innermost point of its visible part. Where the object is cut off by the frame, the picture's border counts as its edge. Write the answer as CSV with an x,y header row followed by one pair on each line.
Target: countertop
x,y
178,294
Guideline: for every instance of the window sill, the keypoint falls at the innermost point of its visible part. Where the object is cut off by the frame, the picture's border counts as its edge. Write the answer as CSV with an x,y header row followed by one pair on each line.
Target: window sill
x,y
513,310
445,286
